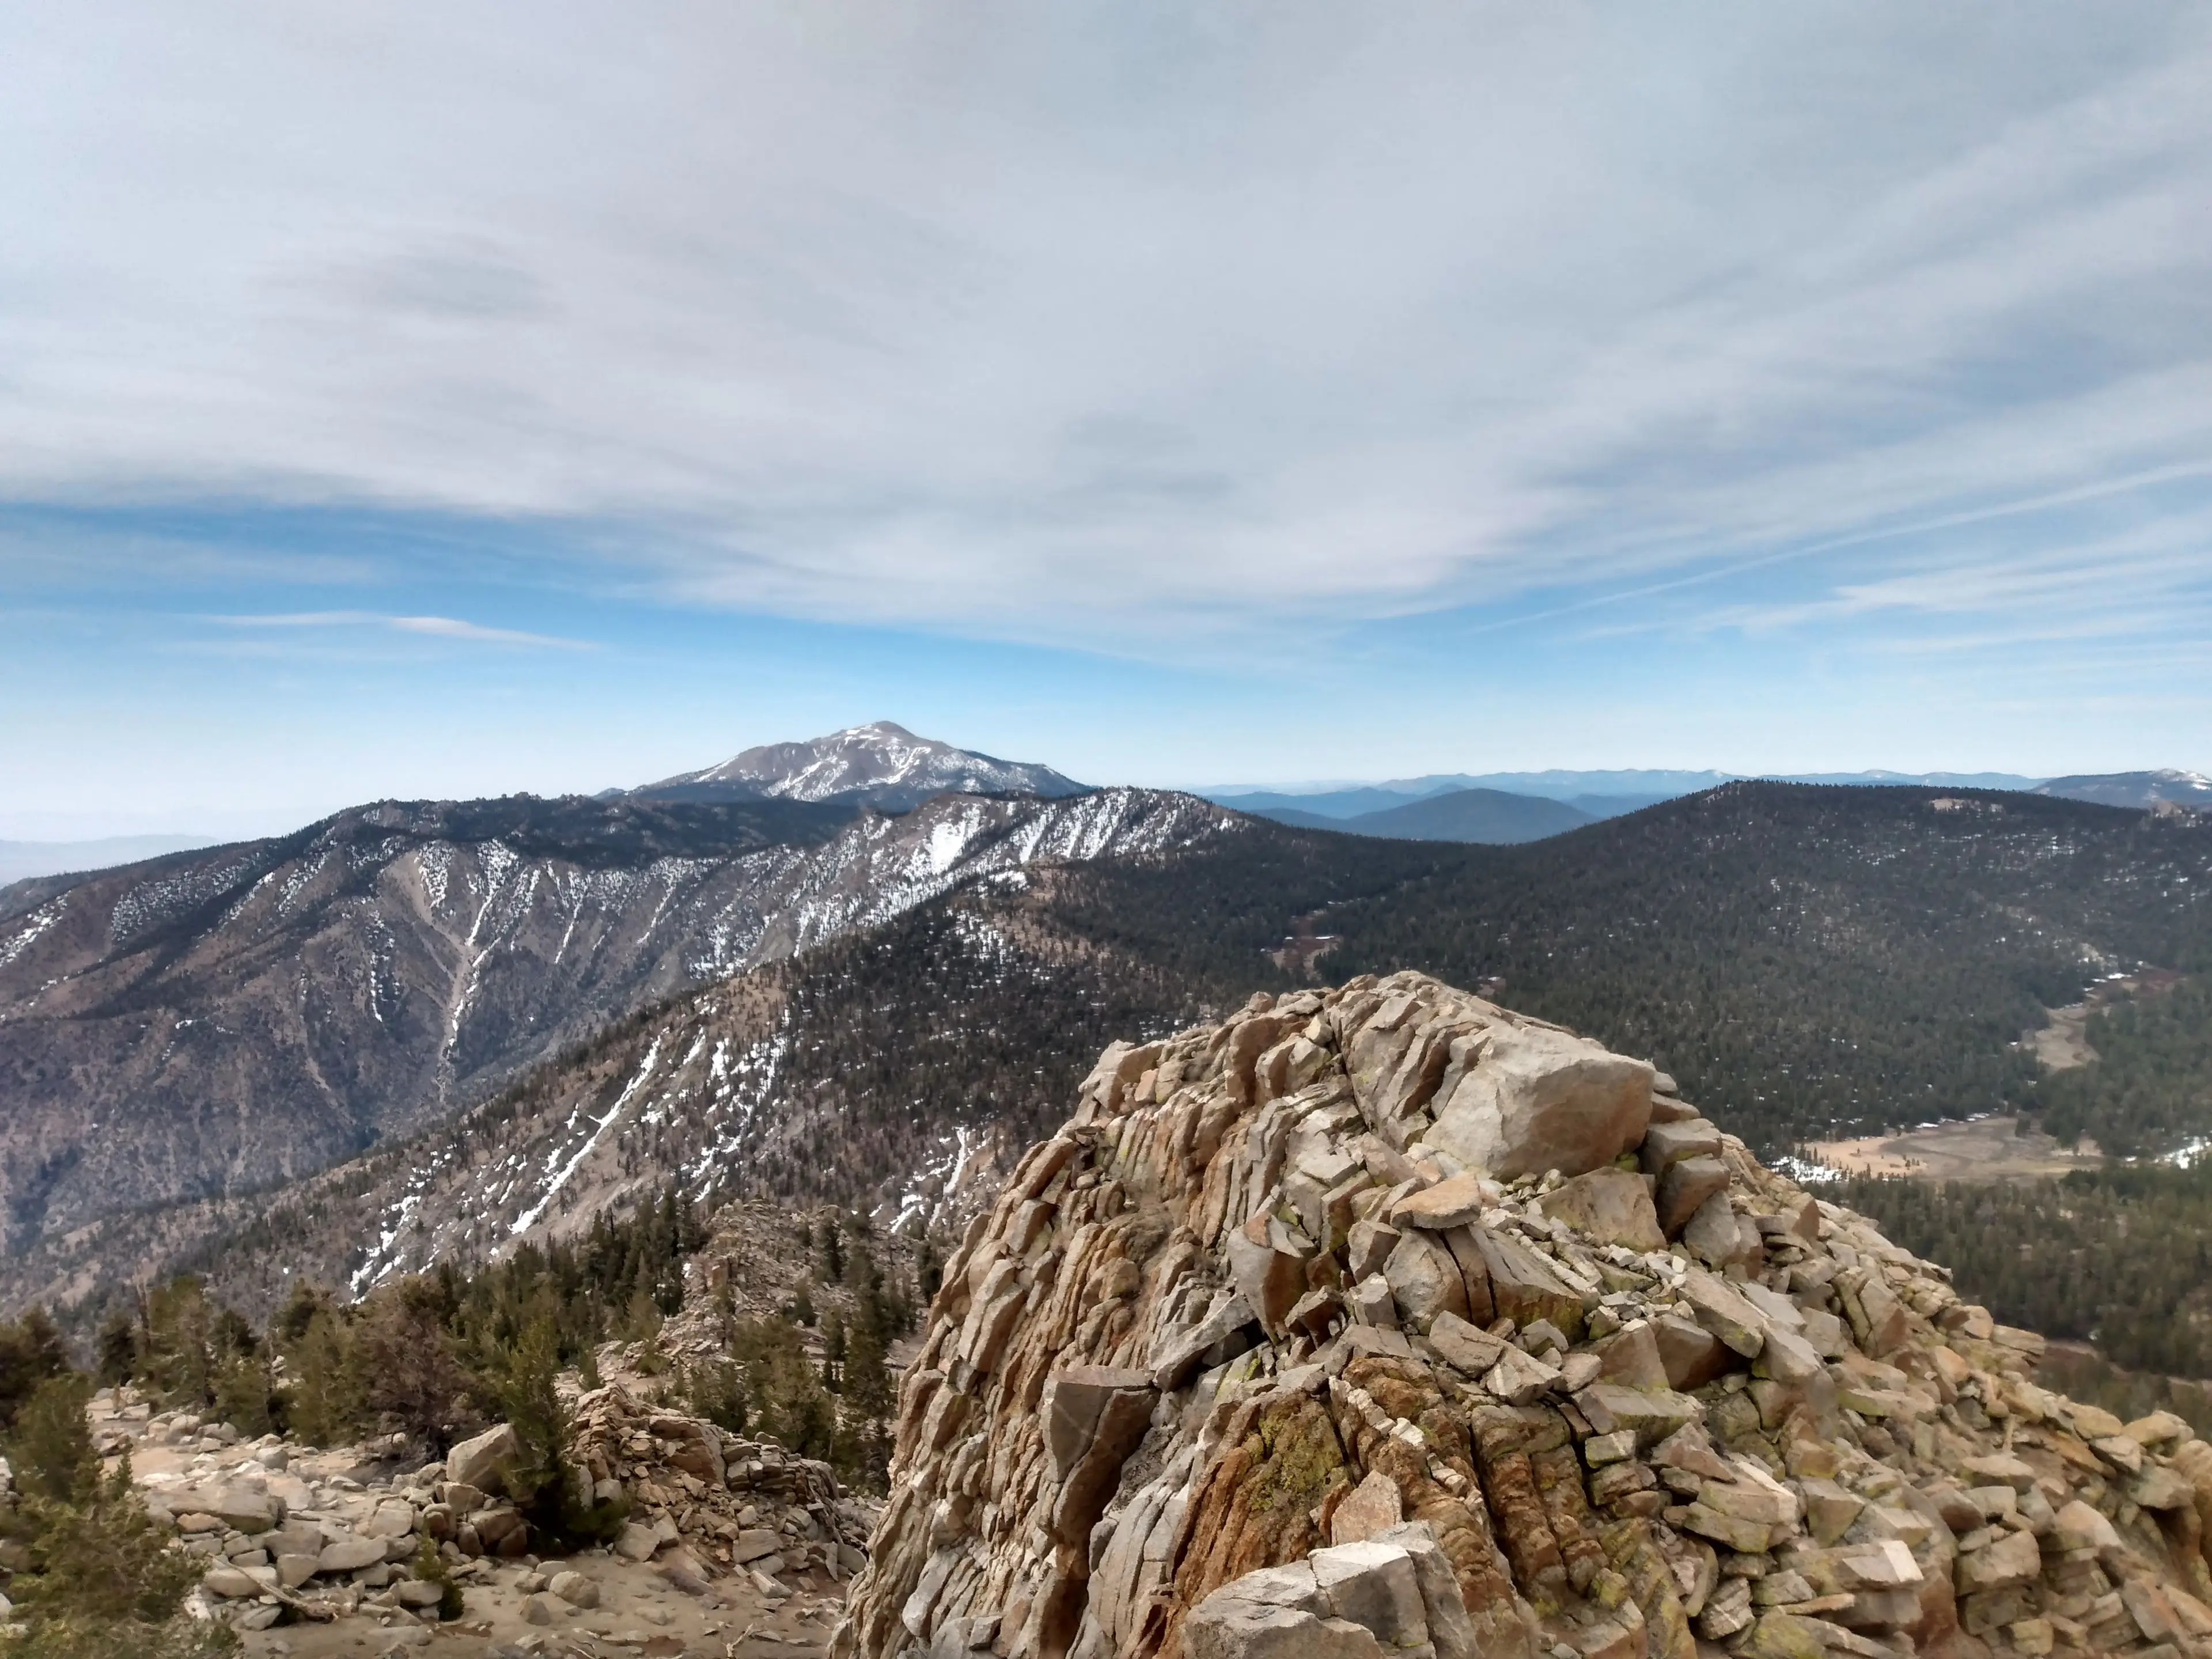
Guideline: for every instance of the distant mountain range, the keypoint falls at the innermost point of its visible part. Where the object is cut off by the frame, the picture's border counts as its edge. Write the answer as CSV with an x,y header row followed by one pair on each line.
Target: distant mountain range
x,y
1475,815
2141,789
1610,794
881,765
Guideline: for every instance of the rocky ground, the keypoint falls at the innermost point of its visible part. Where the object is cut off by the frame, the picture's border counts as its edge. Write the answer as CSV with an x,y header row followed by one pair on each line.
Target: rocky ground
x,y
732,1549
1385,1321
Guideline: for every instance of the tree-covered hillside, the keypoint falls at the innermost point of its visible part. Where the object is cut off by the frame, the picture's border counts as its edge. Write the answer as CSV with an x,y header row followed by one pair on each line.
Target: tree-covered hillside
x,y
2122,1258
1803,959
2149,1090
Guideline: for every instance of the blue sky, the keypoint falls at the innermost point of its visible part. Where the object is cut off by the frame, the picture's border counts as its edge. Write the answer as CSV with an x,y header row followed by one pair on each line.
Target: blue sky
x,y
395,403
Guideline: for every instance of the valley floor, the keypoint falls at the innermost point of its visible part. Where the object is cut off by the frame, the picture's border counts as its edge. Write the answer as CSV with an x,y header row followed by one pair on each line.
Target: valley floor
x,y
1989,1148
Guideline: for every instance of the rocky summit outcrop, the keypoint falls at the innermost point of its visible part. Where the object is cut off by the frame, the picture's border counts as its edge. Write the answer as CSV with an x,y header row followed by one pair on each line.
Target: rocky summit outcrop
x,y
1386,1321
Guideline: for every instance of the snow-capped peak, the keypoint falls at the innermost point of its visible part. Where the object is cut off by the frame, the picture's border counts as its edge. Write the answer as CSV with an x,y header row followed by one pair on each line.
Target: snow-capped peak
x,y
882,764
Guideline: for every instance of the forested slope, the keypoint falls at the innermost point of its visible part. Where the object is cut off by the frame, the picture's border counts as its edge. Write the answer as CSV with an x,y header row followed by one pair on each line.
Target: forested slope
x,y
1804,959
2122,1258
2151,1087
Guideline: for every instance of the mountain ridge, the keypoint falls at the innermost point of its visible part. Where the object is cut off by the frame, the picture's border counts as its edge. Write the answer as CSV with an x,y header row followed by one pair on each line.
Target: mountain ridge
x,y
216,1022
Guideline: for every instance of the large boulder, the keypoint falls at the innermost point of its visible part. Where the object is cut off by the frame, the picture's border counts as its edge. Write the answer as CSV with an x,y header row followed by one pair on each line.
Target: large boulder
x,y
478,1461
349,1554
1611,1205
1424,1277
249,1509
1540,1098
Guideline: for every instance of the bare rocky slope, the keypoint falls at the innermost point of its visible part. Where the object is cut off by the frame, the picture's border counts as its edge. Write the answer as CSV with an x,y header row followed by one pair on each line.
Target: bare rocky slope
x,y
1386,1321
213,1022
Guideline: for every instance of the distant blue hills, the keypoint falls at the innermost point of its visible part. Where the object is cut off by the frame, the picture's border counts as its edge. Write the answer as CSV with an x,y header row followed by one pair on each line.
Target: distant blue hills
x,y
1515,806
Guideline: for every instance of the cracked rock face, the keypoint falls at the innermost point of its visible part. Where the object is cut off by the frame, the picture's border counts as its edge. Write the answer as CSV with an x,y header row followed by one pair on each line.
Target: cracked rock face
x,y
1384,1321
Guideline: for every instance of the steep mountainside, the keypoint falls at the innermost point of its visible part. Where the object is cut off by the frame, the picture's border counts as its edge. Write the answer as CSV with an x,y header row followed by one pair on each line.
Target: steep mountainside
x,y
881,765
1383,1322
1490,816
216,1022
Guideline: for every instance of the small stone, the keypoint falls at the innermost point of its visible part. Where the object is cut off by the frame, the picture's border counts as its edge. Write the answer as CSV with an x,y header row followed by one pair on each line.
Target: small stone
x,y
1829,1508
1632,1358
2012,1560
1602,1449
1374,1505
1578,1370
540,1609
2095,1423
392,1518
1651,1414
231,1583
2120,1451
2078,1526
1685,1189
1450,1203
1783,1635
574,1589
1425,1279
1369,1246
1517,1378
1749,1537
1724,1313
1998,1468
1468,1349
751,1544
1690,1355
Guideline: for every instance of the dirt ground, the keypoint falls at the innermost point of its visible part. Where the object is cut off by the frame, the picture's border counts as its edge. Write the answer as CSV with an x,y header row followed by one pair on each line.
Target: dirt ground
x,y
1985,1149
2064,1044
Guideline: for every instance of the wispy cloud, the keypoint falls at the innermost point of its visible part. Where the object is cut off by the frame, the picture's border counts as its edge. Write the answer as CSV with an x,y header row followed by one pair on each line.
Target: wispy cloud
x,y
444,628
1043,322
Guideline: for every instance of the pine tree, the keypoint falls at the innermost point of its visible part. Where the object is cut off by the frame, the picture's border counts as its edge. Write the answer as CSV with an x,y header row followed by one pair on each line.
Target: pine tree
x,y
325,1402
